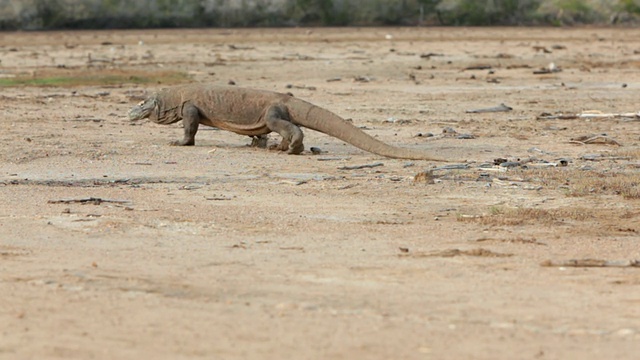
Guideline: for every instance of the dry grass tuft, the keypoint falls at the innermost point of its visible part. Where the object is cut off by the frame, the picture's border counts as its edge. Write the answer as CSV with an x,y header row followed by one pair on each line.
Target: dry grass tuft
x,y
500,216
626,185
632,154
583,183
83,77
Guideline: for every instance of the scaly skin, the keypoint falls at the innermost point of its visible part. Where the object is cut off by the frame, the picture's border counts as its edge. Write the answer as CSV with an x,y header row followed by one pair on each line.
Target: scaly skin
x,y
256,113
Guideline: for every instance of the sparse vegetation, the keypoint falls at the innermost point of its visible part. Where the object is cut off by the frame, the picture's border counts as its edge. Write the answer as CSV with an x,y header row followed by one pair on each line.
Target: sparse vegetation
x,y
626,185
77,14
503,216
583,183
96,78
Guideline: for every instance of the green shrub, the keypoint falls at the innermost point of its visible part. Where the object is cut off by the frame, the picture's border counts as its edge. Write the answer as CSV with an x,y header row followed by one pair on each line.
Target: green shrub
x,y
486,12
75,14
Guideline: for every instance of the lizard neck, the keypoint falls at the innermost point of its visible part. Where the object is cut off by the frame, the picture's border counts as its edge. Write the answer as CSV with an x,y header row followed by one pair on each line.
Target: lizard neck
x,y
167,112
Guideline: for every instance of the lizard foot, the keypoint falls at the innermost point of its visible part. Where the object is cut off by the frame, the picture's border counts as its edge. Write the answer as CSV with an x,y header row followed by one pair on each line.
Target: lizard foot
x,y
295,149
182,143
283,146
259,141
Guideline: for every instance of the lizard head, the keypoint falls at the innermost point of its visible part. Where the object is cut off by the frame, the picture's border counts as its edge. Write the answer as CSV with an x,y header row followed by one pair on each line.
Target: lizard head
x,y
144,109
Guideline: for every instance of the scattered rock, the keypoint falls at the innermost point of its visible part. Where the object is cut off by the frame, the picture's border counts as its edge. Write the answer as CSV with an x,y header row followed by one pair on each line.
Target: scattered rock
x,y
363,79
510,164
551,68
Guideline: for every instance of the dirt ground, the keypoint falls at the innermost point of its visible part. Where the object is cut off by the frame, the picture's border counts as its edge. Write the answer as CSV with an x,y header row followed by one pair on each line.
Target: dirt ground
x,y
222,251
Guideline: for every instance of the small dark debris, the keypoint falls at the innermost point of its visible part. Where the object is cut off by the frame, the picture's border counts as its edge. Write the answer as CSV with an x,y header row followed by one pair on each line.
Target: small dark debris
x,y
542,49
428,134
429,55
499,161
478,67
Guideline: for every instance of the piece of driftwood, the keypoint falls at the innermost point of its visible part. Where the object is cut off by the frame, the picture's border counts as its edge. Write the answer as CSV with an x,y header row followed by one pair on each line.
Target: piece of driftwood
x,y
589,115
594,114
89,200
499,108
365,166
594,139
590,263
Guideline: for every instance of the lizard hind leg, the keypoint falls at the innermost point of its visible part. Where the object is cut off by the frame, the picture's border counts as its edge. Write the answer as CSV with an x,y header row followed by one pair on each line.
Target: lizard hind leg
x,y
278,120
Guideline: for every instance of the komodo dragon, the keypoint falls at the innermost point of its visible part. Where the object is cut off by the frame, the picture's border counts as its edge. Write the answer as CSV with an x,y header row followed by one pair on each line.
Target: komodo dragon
x,y
256,113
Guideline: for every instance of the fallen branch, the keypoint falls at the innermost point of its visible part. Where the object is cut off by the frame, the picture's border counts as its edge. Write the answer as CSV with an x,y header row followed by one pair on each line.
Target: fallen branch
x,y
478,67
365,166
453,253
89,200
590,263
599,157
334,158
87,119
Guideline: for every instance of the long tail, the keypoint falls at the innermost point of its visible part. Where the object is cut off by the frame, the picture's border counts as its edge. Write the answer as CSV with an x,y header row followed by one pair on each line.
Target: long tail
x,y
322,120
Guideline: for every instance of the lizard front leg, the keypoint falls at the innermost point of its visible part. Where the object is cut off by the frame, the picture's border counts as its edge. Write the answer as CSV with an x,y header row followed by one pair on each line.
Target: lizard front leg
x,y
278,120
190,121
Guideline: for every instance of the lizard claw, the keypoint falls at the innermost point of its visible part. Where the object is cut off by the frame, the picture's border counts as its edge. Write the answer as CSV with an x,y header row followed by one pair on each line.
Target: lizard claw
x,y
295,150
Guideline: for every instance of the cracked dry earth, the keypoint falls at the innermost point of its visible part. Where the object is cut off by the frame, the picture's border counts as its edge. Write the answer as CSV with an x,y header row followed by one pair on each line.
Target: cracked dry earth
x,y
115,245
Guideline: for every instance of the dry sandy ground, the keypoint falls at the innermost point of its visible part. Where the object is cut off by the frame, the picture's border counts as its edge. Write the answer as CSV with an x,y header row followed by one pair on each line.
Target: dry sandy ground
x,y
222,251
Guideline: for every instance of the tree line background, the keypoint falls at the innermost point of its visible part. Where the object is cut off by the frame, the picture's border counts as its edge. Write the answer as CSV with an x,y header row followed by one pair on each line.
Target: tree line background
x,y
100,14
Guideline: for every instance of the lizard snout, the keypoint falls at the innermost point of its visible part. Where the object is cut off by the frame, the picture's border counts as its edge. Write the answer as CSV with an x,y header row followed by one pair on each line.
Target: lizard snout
x,y
142,110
